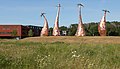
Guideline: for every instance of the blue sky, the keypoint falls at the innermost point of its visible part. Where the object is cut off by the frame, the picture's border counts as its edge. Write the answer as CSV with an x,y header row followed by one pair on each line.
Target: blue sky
x,y
27,12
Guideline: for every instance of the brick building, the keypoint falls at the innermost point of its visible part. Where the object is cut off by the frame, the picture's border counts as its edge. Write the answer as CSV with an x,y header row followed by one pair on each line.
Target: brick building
x,y
18,31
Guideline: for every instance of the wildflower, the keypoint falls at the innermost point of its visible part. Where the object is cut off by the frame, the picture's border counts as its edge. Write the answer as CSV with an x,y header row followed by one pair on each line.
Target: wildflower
x,y
38,55
73,56
74,52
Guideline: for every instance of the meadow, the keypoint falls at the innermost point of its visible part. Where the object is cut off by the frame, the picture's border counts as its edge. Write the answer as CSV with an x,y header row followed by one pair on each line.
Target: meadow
x,y
61,52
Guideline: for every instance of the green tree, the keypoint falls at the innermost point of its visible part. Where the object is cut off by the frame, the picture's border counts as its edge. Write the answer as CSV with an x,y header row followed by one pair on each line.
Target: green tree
x,y
30,33
94,30
63,28
116,27
50,31
87,31
91,29
110,29
14,33
72,29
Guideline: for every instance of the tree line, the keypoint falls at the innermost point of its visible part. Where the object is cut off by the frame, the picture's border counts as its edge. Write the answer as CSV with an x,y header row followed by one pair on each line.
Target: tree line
x,y
91,29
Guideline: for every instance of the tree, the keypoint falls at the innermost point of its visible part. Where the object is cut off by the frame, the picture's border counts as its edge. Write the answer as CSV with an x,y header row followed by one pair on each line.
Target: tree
x,y
72,29
94,30
14,33
50,31
30,33
91,29
63,28
110,29
117,27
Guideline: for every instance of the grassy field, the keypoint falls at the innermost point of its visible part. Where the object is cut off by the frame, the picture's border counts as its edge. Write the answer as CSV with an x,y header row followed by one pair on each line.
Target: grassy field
x,y
60,53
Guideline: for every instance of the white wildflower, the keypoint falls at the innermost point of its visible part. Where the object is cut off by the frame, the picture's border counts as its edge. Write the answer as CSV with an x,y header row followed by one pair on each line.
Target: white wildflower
x,y
73,51
73,56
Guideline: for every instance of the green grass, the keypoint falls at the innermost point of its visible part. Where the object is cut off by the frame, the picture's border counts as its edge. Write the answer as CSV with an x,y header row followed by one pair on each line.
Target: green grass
x,y
58,54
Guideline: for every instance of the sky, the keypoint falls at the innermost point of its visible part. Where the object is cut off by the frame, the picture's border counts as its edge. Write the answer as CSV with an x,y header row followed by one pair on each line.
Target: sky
x,y
27,12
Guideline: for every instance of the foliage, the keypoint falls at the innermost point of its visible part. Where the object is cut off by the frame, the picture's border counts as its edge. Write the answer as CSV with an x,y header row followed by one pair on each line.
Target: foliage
x,y
30,33
91,29
72,29
63,28
14,33
50,31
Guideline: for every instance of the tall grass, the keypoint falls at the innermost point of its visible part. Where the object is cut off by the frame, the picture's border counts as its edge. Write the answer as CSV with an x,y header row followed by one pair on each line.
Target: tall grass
x,y
58,55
